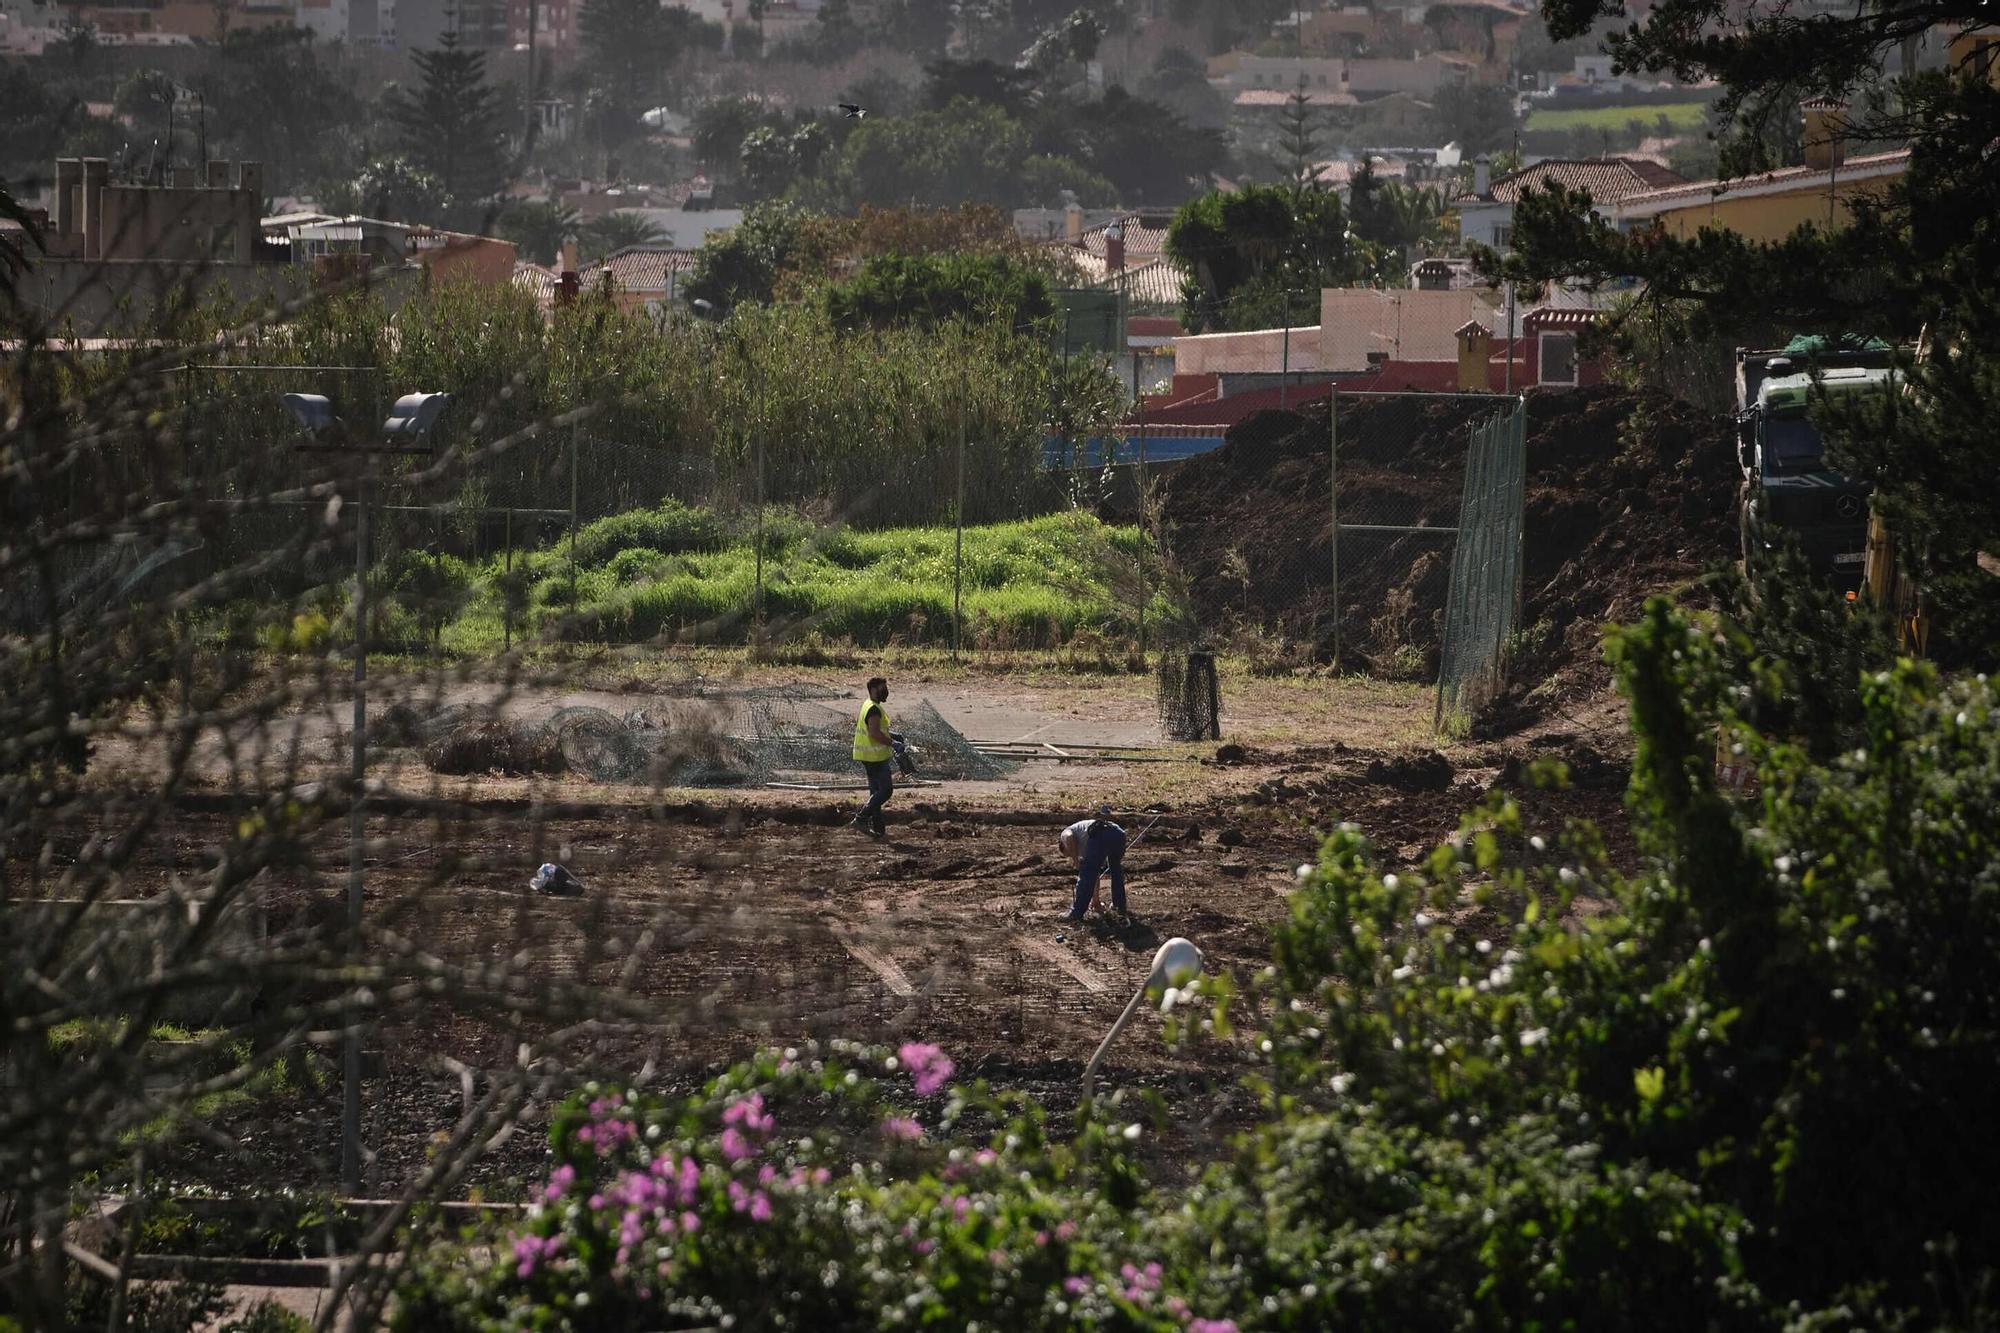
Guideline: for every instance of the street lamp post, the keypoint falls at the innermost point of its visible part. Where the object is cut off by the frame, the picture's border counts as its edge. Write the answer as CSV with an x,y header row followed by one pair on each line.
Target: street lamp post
x,y
409,422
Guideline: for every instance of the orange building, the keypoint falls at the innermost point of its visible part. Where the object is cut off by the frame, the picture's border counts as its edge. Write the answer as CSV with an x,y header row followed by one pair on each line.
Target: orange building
x,y
1771,205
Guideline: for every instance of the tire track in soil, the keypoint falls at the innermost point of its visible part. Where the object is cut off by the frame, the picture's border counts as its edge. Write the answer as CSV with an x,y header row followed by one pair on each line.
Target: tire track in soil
x,y
1063,960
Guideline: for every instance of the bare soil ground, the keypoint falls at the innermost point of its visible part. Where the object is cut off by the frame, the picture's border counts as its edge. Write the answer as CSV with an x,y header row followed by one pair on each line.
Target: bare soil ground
x,y
754,918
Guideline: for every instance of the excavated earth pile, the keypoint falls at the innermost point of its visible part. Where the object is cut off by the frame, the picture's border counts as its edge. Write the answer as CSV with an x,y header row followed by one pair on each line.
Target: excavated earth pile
x,y
1626,494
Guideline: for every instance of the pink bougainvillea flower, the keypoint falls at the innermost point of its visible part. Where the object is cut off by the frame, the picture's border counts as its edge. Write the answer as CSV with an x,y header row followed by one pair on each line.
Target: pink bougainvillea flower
x,y
929,1067
902,1127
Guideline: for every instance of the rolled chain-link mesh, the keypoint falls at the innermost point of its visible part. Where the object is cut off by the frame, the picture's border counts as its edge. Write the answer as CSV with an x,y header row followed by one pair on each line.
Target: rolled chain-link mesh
x,y
1485,590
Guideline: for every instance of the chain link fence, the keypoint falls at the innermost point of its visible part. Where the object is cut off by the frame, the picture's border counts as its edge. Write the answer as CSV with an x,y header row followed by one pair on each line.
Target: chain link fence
x,y
1372,530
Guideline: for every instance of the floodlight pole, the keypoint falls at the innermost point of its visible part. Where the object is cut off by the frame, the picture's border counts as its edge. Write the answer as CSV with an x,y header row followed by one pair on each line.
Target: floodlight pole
x,y
410,419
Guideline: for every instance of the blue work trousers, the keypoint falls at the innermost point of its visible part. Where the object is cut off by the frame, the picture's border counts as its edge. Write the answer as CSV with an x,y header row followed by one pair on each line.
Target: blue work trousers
x,y
881,786
1103,850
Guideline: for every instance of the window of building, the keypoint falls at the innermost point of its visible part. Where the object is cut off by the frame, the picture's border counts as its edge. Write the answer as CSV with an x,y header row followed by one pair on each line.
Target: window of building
x,y
1558,358
1503,236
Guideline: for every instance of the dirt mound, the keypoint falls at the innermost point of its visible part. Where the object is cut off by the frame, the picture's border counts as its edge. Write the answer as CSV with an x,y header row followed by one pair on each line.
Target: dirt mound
x,y
1626,494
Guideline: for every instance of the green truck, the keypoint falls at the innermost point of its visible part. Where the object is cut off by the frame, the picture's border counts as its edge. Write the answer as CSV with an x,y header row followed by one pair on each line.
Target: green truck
x,y
1787,484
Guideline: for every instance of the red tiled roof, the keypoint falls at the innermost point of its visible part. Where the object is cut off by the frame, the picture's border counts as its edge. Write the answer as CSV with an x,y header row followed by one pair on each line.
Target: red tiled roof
x,y
1867,165
1608,179
1141,241
1155,283
537,281
637,269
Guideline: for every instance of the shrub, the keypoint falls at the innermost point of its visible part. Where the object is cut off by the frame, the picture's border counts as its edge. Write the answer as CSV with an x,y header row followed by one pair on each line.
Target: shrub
x,y
669,528
636,565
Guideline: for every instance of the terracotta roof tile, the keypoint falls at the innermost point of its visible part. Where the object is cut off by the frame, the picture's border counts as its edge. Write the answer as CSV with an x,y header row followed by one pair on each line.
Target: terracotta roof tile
x,y
637,268
1870,164
1608,179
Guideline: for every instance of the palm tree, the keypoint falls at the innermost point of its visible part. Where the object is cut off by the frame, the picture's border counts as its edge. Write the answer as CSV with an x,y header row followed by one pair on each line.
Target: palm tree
x,y
616,231
538,226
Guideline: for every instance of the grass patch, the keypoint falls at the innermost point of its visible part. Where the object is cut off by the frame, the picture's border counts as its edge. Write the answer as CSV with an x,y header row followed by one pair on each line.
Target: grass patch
x,y
1682,116
1035,583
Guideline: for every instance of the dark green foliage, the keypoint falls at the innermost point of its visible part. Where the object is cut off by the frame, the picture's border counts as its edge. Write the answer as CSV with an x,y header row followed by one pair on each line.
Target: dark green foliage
x,y
14,246
1402,221
283,101
614,232
745,262
1245,250
538,227
431,586
927,290
1147,150
1781,1011
628,46
451,124
394,188
1478,116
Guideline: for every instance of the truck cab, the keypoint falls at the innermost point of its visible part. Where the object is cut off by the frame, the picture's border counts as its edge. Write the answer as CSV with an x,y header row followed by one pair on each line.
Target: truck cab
x,y
1787,484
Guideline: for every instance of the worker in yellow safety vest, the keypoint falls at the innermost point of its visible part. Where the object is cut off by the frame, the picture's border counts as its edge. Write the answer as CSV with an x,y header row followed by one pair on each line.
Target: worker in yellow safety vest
x,y
874,750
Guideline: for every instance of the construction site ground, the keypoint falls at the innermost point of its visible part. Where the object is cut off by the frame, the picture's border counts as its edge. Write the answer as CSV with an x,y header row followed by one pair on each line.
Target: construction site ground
x,y
752,917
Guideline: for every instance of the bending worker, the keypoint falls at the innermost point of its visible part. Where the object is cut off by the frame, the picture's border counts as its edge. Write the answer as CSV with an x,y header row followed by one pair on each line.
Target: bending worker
x,y
1093,846
874,749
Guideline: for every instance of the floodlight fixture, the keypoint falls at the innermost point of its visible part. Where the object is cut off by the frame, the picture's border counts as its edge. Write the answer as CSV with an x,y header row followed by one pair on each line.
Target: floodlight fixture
x,y
313,411
414,414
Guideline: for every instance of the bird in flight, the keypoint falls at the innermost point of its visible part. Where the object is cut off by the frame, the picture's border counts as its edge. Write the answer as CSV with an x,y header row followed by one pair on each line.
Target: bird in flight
x,y
853,112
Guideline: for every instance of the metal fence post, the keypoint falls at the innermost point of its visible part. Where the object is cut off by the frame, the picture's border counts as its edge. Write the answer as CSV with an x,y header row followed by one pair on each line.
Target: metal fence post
x,y
575,444
958,520
507,585
1333,512
1139,402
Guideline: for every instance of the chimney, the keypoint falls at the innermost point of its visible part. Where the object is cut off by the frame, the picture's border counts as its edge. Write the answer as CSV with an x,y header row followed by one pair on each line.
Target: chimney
x,y
96,175
566,261
69,204
1072,224
1826,133
1475,357
1114,248
567,286
218,175
1482,176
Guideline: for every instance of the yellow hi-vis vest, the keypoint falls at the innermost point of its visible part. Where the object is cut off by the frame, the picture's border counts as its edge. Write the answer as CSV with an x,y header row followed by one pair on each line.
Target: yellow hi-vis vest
x,y
866,751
